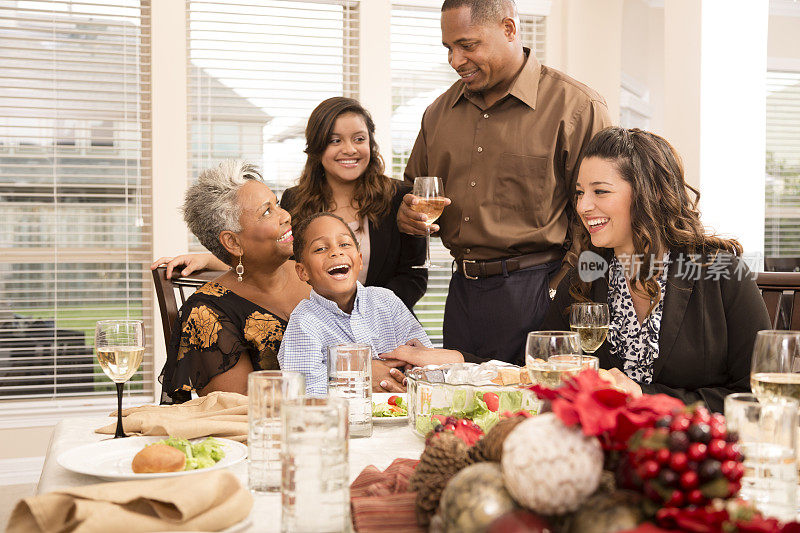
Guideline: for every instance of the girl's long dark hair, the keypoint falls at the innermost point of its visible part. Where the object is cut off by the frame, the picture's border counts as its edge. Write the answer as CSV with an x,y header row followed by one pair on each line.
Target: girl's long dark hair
x,y
373,192
664,214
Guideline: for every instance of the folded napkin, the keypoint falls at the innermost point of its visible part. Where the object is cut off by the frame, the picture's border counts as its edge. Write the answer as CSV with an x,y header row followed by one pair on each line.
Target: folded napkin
x,y
219,414
381,501
210,501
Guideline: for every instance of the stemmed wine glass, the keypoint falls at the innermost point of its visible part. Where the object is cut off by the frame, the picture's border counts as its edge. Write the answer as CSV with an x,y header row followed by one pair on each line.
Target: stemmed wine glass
x,y
550,355
431,202
119,345
590,321
775,368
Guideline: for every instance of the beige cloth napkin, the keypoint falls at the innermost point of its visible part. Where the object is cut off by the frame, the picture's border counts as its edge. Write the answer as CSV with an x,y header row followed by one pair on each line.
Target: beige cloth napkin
x,y
219,414
209,501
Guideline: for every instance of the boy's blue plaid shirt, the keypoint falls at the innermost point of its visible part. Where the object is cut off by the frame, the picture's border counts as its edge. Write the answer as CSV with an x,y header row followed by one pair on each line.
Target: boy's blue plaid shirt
x,y
379,318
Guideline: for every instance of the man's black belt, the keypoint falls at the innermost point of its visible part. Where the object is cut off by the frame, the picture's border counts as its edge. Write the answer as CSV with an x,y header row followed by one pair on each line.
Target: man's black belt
x,y
485,269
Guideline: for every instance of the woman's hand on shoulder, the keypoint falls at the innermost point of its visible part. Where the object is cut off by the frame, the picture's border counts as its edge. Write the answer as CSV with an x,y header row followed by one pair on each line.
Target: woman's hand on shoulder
x,y
190,262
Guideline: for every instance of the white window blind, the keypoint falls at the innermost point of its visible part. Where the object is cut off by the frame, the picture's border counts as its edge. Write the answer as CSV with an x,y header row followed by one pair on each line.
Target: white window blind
x,y
420,73
75,174
256,71
782,225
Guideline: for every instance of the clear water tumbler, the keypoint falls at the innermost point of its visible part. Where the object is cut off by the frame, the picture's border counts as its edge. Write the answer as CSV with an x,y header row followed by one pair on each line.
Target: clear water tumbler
x,y
350,378
315,492
768,439
267,390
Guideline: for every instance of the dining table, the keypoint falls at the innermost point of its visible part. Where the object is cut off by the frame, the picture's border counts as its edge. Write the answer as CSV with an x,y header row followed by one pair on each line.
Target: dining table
x,y
391,439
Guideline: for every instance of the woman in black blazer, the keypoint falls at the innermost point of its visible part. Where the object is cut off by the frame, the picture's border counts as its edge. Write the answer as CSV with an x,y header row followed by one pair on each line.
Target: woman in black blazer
x,y
688,333
343,174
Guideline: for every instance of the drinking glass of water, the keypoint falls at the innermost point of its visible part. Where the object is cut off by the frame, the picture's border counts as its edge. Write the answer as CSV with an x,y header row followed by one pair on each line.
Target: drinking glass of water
x,y
267,390
315,490
119,345
590,321
551,355
768,439
350,378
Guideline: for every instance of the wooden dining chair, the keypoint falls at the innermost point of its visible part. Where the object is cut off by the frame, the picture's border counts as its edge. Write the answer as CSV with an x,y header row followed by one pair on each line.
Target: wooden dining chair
x,y
782,264
781,293
170,291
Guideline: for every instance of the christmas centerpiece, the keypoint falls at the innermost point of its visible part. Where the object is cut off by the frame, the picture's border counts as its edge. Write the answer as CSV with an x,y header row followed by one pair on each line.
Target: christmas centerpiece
x,y
599,461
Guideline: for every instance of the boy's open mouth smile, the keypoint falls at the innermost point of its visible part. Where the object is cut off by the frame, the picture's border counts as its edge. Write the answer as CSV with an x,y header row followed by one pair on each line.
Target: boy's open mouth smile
x,y
339,271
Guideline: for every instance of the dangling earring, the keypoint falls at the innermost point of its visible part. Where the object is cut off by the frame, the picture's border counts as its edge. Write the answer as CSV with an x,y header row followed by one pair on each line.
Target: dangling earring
x,y
240,268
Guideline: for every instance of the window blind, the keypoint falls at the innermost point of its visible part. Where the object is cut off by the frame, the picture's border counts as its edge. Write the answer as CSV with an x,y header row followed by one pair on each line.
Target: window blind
x,y
420,73
75,205
782,224
256,71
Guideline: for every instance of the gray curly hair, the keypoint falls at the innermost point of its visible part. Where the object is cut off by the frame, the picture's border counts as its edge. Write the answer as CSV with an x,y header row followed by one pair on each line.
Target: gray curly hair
x,y
210,206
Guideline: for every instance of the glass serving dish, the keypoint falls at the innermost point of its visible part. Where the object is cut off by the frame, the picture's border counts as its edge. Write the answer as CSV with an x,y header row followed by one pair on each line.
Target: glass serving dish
x,y
459,390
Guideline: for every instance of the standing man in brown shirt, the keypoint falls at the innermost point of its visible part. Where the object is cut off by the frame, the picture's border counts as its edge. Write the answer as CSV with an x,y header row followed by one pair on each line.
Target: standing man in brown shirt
x,y
505,139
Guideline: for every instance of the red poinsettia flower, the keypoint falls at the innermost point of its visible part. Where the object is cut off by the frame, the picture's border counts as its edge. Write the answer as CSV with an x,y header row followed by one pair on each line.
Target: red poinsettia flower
x,y
589,400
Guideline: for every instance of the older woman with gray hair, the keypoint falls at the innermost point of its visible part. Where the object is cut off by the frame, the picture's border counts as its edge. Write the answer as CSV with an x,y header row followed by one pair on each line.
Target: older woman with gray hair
x,y
234,324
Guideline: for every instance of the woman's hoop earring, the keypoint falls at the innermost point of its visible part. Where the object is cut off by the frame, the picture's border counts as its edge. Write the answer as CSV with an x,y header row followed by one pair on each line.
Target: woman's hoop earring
x,y
240,269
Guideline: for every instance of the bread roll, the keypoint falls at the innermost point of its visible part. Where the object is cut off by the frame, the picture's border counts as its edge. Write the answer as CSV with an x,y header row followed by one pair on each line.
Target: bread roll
x,y
158,458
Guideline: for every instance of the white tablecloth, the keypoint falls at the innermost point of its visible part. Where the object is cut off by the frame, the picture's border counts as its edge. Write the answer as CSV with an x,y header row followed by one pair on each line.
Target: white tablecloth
x,y
388,442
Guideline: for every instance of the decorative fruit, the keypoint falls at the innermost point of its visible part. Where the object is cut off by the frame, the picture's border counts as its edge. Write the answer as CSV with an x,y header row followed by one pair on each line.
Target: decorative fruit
x,y
686,459
716,449
699,433
663,456
689,480
393,400
492,401
519,521
709,469
678,441
697,452
605,512
468,431
679,462
474,498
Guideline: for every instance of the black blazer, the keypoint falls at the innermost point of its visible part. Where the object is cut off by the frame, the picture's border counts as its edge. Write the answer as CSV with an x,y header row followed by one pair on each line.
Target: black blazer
x,y
392,253
708,328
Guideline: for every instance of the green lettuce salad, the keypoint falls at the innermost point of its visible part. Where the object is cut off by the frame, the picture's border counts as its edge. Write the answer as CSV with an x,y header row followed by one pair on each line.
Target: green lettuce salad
x,y
397,407
201,455
472,407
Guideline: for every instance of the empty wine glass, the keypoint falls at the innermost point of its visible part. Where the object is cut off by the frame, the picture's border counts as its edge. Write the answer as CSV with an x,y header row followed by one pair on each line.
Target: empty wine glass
x,y
550,355
119,345
590,321
431,203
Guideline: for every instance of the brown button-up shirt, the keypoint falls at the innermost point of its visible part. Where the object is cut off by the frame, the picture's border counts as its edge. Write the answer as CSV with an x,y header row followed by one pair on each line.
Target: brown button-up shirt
x,y
509,168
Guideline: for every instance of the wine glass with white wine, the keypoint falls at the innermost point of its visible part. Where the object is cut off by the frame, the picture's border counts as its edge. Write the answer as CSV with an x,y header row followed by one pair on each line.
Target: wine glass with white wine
x,y
551,355
590,321
119,345
775,368
431,203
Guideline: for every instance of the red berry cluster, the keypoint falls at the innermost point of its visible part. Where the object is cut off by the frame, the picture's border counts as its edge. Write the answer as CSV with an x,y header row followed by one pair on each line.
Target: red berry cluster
x,y
687,458
465,429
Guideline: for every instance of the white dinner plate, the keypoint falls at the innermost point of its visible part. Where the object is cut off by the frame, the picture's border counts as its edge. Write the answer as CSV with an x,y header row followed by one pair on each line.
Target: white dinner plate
x,y
111,459
383,397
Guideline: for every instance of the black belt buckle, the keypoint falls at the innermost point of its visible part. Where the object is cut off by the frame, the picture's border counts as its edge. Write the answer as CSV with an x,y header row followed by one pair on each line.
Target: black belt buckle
x,y
464,268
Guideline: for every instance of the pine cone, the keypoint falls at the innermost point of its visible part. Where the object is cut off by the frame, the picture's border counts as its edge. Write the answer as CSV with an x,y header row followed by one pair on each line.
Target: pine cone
x,y
444,456
490,447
